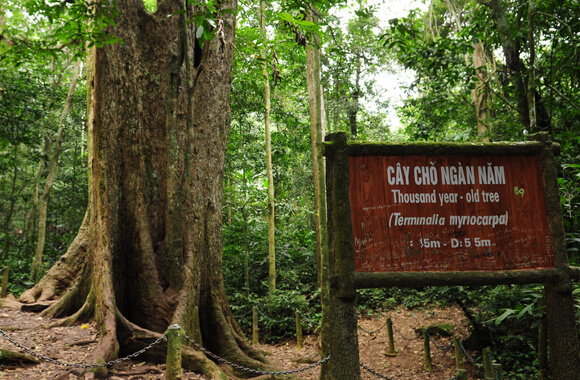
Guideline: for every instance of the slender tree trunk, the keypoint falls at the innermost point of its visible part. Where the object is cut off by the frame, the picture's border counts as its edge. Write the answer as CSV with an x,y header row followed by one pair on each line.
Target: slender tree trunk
x,y
32,216
246,252
532,80
479,95
2,27
354,106
11,204
148,253
52,171
513,61
270,175
316,132
517,71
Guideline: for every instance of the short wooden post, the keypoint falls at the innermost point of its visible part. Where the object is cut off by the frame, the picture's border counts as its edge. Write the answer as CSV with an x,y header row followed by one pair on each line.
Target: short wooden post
x,y
173,370
487,367
298,331
458,353
5,272
461,374
391,350
428,365
254,325
498,373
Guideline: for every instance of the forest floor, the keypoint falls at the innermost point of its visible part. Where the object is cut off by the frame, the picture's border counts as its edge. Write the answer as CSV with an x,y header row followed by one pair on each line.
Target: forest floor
x,y
74,345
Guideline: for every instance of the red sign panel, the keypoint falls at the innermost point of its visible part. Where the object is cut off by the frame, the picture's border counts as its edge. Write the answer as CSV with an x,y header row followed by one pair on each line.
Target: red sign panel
x,y
449,213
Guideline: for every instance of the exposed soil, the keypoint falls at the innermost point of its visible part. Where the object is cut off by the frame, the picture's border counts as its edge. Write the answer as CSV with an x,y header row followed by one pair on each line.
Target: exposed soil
x,y
74,345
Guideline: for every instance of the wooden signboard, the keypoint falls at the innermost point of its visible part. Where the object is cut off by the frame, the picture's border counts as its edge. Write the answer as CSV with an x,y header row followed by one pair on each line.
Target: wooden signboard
x,y
449,213
419,214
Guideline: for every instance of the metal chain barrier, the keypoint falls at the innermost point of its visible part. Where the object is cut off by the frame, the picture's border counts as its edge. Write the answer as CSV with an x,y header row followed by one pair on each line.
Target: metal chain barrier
x,y
243,315
257,371
311,321
438,346
270,319
372,331
465,352
74,365
402,336
204,350
375,372
388,378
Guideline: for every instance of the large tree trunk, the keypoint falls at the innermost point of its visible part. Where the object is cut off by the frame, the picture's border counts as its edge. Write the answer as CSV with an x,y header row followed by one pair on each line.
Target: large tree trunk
x,y
148,253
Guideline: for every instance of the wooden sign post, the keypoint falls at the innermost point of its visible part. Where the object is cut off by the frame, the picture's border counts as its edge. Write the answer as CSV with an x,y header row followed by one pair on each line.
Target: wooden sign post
x,y
412,215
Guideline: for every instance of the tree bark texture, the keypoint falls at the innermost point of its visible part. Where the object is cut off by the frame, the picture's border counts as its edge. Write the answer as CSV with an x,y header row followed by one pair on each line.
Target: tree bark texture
x,y
148,253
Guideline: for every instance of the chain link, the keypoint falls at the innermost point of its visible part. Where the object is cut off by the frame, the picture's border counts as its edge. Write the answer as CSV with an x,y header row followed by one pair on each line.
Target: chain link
x,y
388,378
375,372
402,336
243,315
258,371
199,347
311,321
465,351
372,331
438,346
75,365
270,319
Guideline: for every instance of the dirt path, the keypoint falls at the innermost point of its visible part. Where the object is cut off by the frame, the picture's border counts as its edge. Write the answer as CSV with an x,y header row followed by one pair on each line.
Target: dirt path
x,y
75,344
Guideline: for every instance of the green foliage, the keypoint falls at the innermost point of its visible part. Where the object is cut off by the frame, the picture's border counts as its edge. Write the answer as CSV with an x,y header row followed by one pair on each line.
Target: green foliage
x,y
39,28
519,358
31,100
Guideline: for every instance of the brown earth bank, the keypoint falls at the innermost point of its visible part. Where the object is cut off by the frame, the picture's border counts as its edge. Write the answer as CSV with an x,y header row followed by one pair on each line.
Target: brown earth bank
x,y
74,345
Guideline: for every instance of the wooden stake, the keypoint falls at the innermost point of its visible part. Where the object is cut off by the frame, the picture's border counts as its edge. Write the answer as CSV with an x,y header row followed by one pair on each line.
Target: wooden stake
x,y
458,353
487,367
298,331
461,374
428,365
174,370
5,272
391,350
498,373
254,325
